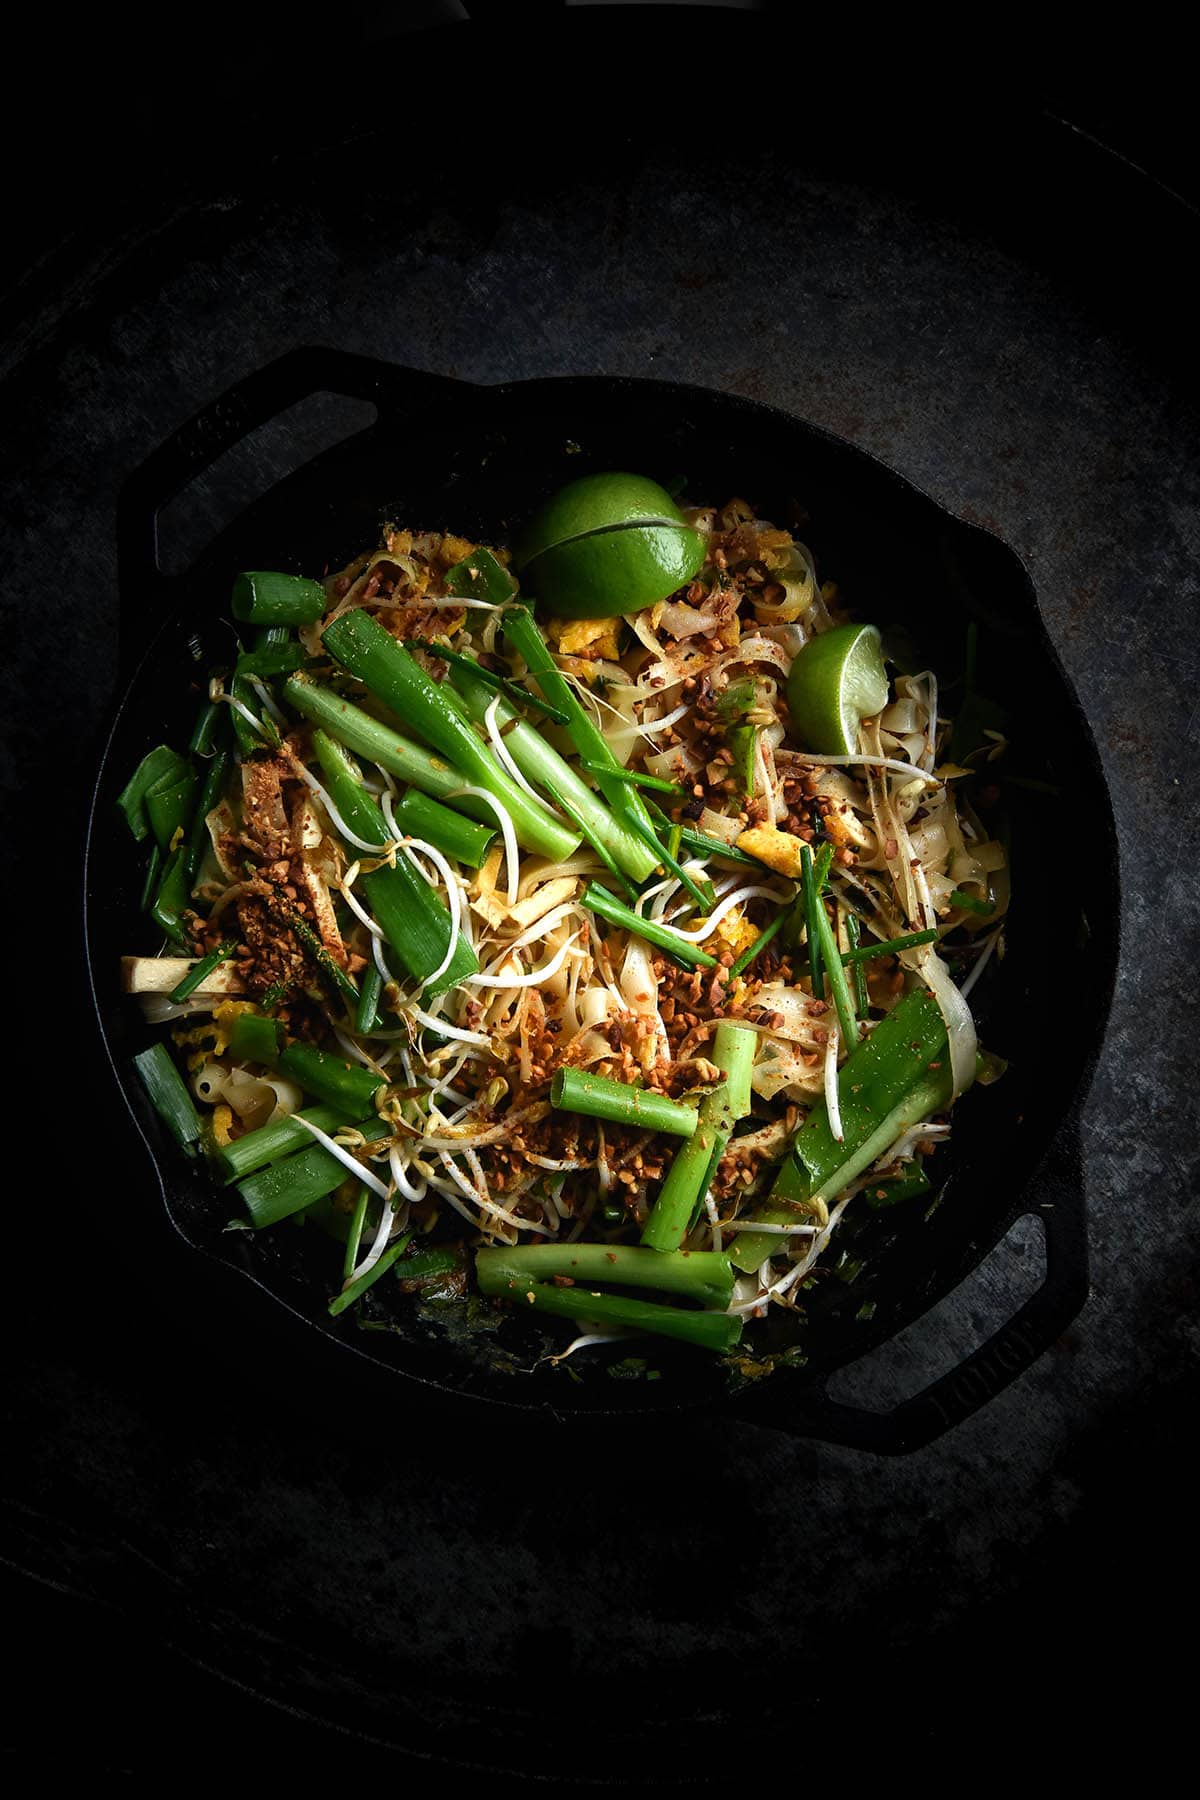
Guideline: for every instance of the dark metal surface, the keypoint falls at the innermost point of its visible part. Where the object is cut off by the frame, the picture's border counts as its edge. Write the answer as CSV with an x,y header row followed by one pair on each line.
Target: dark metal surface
x,y
998,310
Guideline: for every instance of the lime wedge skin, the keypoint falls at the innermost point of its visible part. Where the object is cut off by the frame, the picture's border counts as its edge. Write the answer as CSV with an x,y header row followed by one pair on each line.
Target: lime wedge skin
x,y
612,572
595,503
836,680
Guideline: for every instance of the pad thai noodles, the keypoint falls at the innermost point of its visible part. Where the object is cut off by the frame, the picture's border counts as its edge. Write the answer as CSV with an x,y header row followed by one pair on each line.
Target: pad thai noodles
x,y
546,954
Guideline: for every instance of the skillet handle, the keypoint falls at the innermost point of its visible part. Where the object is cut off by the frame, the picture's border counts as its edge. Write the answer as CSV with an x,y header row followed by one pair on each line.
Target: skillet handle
x,y
221,425
1057,1199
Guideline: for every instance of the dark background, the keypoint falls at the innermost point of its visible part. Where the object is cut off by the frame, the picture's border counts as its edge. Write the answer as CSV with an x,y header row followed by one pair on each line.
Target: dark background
x,y
169,226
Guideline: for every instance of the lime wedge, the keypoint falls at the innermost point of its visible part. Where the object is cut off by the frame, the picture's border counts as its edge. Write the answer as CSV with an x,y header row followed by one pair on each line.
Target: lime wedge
x,y
837,680
619,570
595,503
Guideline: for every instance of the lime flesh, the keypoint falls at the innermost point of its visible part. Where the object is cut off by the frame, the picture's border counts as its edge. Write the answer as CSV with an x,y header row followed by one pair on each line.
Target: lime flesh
x,y
615,571
836,681
595,503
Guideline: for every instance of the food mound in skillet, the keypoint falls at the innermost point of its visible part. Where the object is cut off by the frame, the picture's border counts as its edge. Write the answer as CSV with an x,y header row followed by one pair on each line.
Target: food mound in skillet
x,y
589,926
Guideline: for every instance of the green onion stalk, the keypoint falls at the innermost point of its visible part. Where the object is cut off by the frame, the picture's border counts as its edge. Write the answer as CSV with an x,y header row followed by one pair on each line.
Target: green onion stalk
x,y
690,1175
599,1097
894,1078
411,916
366,650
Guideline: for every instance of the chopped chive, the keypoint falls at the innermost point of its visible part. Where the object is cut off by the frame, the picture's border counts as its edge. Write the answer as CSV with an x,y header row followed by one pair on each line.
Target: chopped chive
x,y
862,999
811,902
701,892
153,872
210,792
711,846
199,970
358,1288
908,942
634,777
168,1095
753,950
582,1091
354,1235
599,900
834,967
499,683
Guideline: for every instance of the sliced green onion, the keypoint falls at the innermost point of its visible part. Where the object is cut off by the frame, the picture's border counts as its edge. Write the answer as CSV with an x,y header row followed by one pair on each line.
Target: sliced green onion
x,y
411,916
255,1149
363,647
154,865
207,729
252,1038
701,1275
200,970
419,816
717,1331
169,806
743,741
348,1086
289,1186
541,764
369,990
480,576
581,1091
911,1181
599,900
695,1163
156,765
267,597
168,1095
972,904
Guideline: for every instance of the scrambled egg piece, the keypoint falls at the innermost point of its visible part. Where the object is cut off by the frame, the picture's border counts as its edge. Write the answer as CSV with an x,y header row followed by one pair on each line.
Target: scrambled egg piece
x,y
572,637
778,849
735,932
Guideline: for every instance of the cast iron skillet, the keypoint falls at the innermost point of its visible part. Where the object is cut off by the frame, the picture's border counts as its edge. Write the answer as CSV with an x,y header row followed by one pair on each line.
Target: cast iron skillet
x,y
453,455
